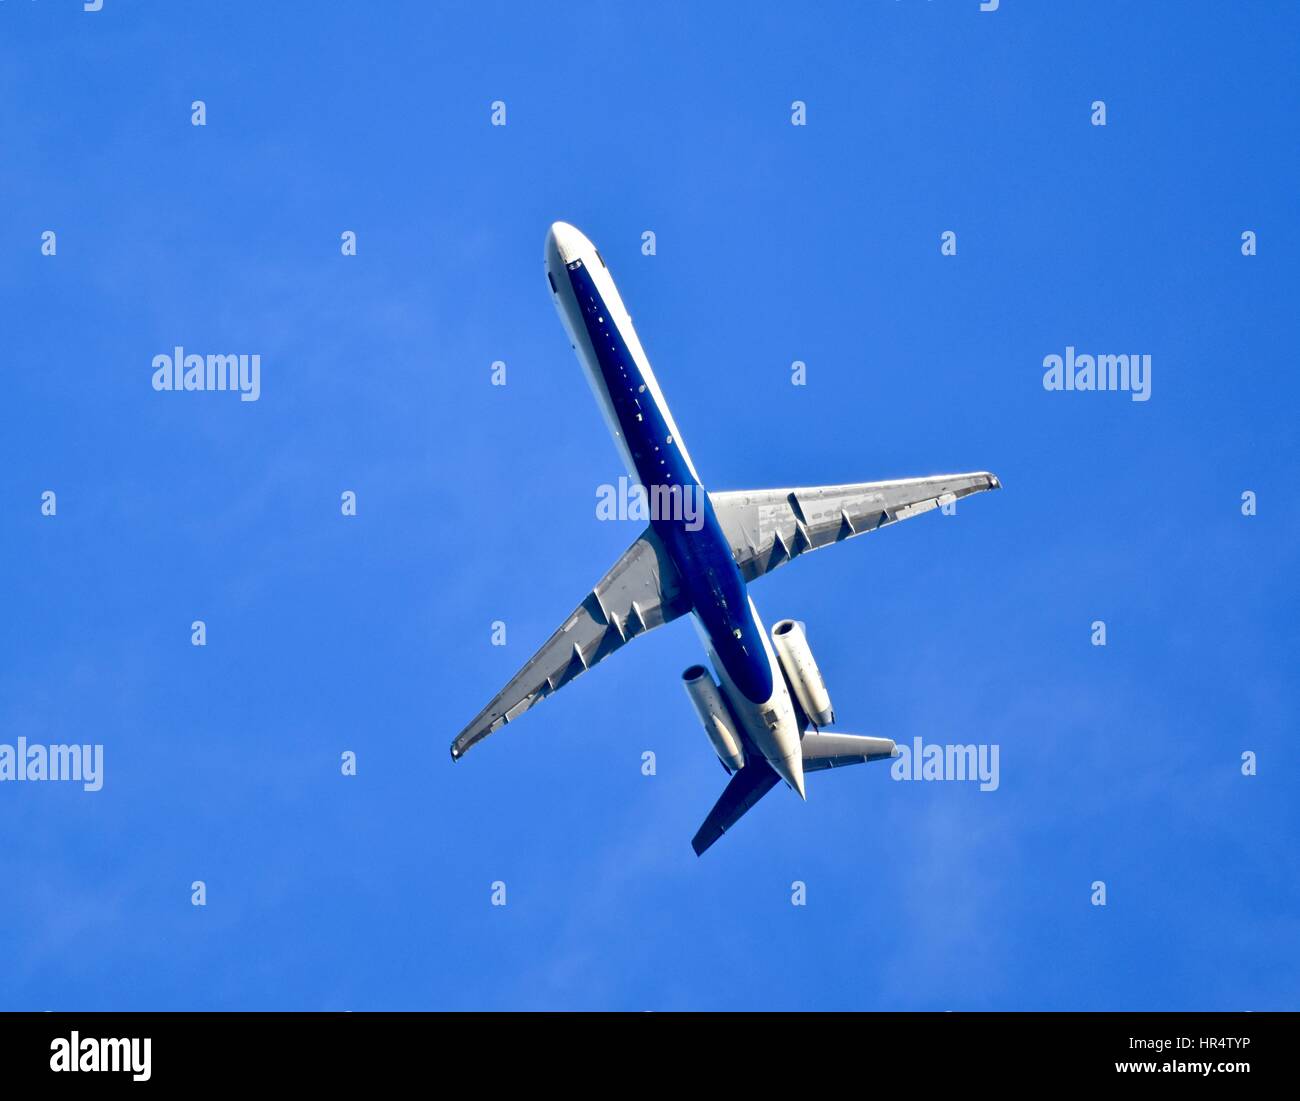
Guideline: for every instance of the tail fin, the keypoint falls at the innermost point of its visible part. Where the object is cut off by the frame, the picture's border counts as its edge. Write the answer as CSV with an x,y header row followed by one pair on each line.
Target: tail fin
x,y
746,788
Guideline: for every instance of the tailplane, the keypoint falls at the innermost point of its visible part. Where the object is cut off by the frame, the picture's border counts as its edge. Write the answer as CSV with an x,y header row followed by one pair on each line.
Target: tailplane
x,y
822,751
749,784
747,787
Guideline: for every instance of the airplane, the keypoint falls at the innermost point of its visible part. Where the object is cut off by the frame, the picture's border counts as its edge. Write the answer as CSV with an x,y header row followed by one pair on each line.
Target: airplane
x,y
766,712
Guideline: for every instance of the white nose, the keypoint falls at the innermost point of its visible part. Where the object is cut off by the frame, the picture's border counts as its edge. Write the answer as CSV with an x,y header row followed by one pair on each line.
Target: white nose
x,y
568,242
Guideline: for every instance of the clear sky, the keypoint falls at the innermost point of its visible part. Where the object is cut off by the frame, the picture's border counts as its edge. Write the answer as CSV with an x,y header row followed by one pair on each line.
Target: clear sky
x,y
775,243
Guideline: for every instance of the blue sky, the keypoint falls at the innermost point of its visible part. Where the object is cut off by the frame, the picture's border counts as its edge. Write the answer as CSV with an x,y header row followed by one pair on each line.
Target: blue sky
x,y
476,503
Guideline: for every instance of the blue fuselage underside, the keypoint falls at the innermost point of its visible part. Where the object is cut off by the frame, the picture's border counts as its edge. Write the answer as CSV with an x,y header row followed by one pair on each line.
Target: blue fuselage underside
x,y
703,557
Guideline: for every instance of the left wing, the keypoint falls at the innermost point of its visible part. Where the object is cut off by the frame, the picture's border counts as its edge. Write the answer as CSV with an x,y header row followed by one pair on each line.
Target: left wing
x,y
768,527
641,591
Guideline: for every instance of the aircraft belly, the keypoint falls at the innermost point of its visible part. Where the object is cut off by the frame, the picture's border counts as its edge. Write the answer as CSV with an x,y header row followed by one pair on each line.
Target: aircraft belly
x,y
571,315
772,741
601,393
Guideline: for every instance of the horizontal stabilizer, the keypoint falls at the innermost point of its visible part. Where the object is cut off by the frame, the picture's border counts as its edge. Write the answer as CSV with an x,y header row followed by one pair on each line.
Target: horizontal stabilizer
x,y
747,787
822,751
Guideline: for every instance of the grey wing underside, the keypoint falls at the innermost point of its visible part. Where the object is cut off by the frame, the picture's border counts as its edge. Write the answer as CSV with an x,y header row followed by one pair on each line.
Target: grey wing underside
x,y
769,527
640,592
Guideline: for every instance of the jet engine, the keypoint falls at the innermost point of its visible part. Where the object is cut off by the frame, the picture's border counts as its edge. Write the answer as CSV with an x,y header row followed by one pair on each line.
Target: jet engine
x,y
796,659
716,716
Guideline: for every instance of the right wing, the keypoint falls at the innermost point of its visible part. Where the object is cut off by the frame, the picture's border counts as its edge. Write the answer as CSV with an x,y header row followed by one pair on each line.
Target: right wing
x,y
640,592
768,527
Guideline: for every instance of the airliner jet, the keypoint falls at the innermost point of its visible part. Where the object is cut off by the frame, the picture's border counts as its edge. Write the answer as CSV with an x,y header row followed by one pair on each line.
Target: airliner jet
x,y
765,714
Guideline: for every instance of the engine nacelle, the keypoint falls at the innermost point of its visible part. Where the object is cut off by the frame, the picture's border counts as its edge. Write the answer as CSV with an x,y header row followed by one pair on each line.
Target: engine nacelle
x,y
795,656
715,715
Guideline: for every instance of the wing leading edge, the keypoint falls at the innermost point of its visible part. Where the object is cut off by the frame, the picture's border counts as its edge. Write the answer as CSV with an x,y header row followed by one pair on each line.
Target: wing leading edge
x,y
769,527
640,592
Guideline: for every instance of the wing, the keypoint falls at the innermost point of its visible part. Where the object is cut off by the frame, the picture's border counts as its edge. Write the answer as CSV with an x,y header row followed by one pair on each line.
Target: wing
x,y
640,592
768,527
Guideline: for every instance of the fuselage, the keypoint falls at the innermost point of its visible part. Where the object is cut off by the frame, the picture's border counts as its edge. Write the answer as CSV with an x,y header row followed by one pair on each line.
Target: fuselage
x,y
655,455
